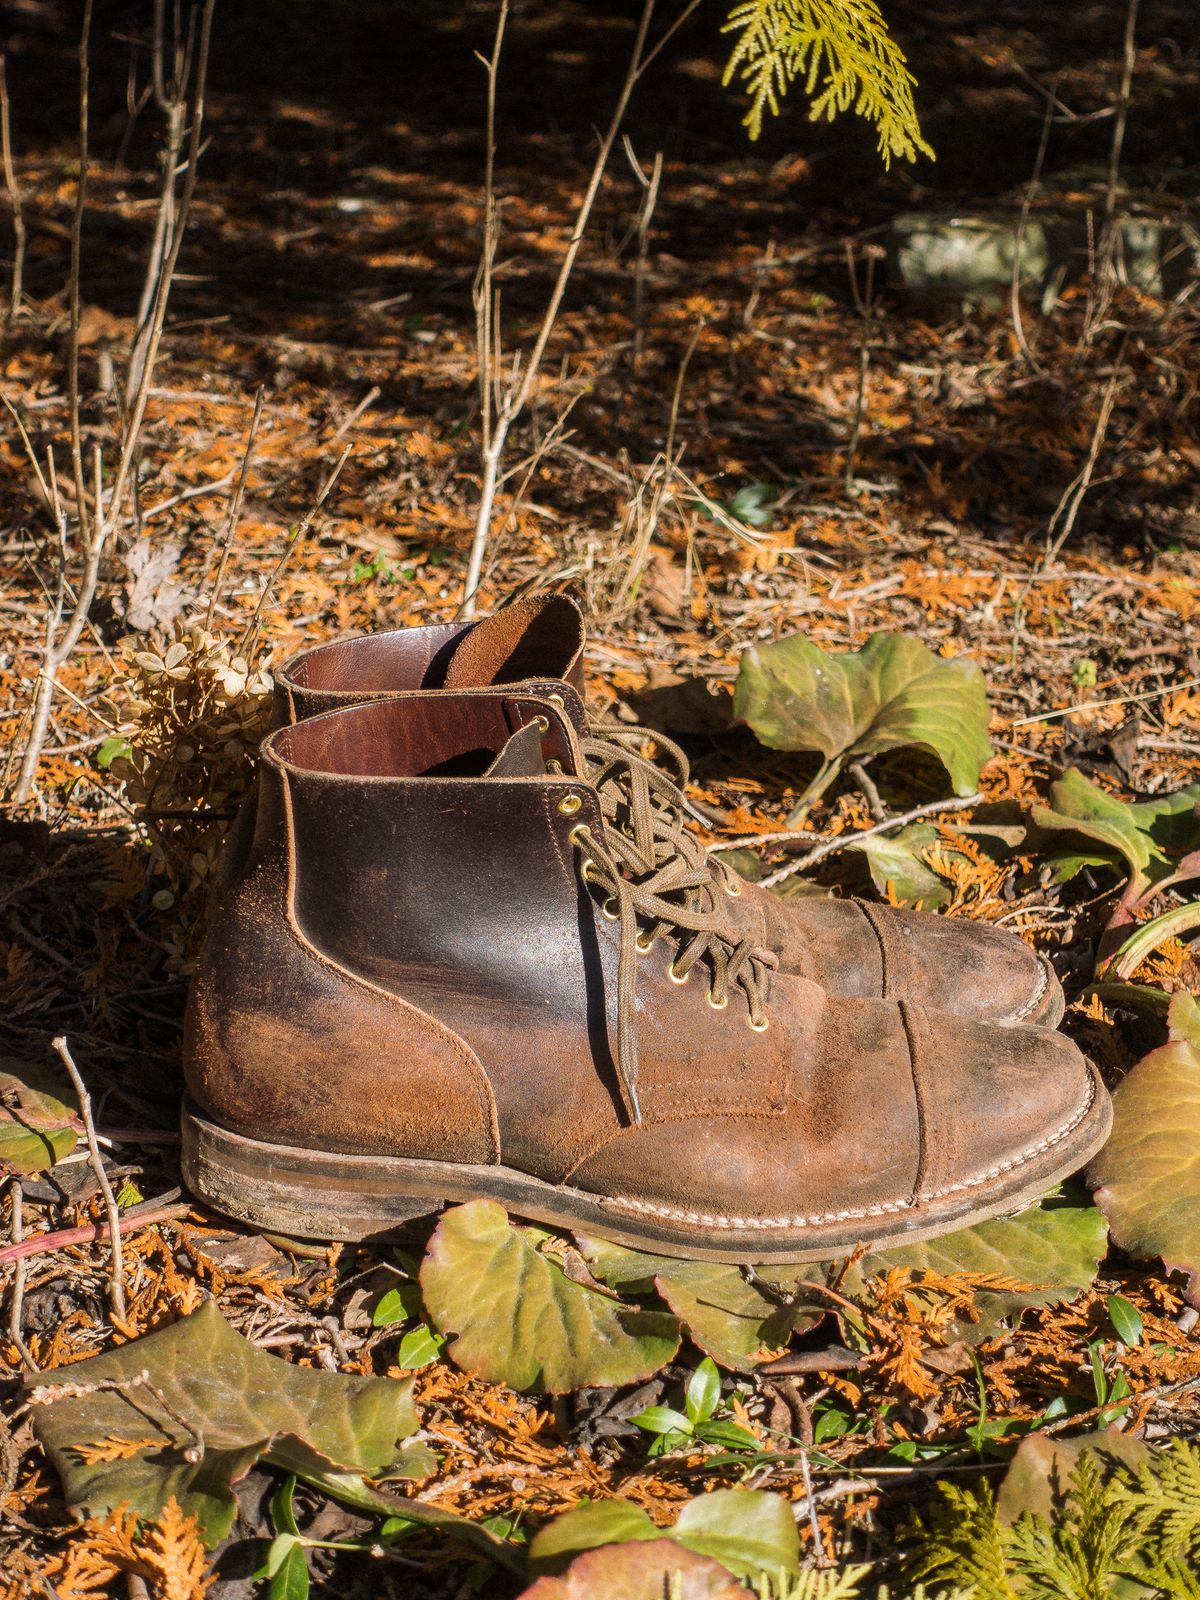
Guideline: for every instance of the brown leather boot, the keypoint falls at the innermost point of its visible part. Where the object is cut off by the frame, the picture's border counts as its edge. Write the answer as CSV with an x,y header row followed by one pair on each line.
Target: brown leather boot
x,y
443,972
853,948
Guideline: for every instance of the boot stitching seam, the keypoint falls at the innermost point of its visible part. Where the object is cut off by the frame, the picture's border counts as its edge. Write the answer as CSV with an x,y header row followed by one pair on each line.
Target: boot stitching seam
x,y
706,1219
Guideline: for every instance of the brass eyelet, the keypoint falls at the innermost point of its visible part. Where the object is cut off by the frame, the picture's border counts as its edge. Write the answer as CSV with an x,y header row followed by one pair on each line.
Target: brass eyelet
x,y
578,834
732,888
554,765
675,976
570,804
585,871
760,1027
717,1005
543,723
645,943
610,916
557,700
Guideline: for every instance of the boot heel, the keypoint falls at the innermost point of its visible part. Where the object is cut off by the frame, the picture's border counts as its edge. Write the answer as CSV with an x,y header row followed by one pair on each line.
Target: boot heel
x,y
303,1194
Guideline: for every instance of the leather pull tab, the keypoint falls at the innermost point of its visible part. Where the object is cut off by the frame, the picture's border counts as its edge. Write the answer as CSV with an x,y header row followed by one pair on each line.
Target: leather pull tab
x,y
538,637
521,757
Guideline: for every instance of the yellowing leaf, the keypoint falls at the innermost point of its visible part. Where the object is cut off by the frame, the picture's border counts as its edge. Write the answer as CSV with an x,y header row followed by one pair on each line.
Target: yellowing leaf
x,y
1147,1176
892,693
1054,1247
723,1311
515,1318
642,1571
36,1128
238,1404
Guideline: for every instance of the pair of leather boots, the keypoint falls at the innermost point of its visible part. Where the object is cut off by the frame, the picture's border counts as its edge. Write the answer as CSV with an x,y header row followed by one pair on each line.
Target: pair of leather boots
x,y
465,947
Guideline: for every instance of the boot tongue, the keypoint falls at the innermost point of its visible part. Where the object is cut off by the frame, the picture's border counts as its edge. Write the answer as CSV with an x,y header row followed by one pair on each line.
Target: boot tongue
x,y
540,637
521,757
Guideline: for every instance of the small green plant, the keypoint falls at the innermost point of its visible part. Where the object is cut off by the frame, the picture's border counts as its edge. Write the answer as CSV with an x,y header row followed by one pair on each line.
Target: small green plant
x,y
377,569
694,1423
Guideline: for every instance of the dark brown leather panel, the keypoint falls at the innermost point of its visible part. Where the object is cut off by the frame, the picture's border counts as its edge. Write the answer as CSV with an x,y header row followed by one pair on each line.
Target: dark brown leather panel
x,y
279,1039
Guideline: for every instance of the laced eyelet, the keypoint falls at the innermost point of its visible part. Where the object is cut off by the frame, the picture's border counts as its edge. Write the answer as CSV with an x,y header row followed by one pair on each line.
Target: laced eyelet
x,y
645,943
554,766
732,888
610,916
578,834
585,871
557,700
760,1027
717,1005
675,977
543,723
570,804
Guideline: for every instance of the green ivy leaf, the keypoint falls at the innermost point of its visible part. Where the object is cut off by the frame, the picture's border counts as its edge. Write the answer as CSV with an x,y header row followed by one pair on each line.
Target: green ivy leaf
x,y
514,1317
703,1392
892,693
898,859
36,1128
1140,835
746,1530
1147,1177
287,1568
240,1404
1055,1247
724,1313
112,749
419,1347
587,1528
397,1305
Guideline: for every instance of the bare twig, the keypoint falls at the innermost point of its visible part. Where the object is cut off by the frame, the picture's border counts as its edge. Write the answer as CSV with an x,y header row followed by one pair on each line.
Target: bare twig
x,y
1099,705
16,288
294,541
41,1244
511,403
844,840
866,310
235,507
1073,496
16,1201
650,186
1022,223
1106,255
866,783
98,517
117,1281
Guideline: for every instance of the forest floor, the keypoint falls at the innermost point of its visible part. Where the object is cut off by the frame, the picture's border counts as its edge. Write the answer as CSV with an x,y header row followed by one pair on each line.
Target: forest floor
x,y
335,238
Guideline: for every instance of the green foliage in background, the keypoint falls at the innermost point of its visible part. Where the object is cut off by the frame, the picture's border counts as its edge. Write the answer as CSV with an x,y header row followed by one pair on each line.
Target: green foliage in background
x,y
842,53
1135,1531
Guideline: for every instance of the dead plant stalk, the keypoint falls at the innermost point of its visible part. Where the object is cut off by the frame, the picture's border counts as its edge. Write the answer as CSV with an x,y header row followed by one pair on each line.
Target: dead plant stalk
x,y
503,400
117,1278
97,519
16,287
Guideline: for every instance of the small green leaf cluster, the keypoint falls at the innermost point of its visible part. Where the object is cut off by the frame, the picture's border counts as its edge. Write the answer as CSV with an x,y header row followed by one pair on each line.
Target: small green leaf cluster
x,y
673,1428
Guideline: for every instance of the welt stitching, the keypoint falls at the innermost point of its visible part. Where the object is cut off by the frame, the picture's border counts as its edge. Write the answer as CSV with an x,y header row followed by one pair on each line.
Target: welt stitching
x,y
716,1221
1036,998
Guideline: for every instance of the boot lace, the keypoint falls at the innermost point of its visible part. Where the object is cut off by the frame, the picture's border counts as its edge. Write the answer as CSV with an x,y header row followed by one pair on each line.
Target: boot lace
x,y
658,880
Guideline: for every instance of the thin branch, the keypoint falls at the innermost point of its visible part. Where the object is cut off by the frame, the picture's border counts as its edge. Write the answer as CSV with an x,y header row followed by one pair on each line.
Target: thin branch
x,y
16,290
235,507
1076,491
117,1274
524,374
40,1244
16,1201
844,840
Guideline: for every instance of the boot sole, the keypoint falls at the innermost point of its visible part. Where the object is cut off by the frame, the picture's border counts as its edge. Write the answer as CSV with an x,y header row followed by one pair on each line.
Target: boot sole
x,y
317,1194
